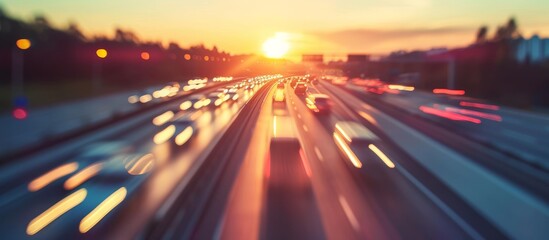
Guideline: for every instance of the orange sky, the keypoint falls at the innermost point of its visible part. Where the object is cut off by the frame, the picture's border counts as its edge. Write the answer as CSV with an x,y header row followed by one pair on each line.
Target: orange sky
x,y
312,26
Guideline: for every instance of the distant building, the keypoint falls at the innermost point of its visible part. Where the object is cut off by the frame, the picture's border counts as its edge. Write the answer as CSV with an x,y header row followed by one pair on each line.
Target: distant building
x,y
312,58
534,50
358,58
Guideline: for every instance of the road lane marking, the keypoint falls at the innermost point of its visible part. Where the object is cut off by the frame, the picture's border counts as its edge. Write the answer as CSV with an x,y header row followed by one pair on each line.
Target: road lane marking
x,y
453,215
349,213
305,128
299,116
318,154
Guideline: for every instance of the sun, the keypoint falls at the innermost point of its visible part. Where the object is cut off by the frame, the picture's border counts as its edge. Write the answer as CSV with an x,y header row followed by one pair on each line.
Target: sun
x,y
275,47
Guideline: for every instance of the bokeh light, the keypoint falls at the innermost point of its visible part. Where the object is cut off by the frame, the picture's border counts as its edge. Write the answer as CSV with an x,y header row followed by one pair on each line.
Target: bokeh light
x,y
101,53
19,113
145,56
23,44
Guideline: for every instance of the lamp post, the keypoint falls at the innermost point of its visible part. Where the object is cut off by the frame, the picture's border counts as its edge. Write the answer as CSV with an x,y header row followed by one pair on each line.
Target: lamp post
x,y
97,68
19,100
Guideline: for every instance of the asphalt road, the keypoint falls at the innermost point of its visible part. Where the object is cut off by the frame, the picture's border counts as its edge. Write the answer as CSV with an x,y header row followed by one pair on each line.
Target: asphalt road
x,y
254,168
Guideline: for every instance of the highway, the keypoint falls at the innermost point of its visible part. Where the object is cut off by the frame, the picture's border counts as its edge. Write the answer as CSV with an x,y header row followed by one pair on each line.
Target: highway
x,y
250,160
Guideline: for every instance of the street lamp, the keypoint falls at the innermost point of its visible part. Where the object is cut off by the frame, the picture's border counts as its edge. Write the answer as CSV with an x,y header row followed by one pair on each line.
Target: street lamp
x,y
97,68
145,56
19,100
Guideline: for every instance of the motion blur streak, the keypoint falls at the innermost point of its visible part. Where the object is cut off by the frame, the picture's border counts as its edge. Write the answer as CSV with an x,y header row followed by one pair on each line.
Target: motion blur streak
x,y
489,116
186,105
448,91
140,166
401,87
354,159
55,211
83,176
162,118
145,98
344,134
448,115
479,105
382,156
102,210
184,136
133,99
348,212
305,163
52,175
164,135
368,117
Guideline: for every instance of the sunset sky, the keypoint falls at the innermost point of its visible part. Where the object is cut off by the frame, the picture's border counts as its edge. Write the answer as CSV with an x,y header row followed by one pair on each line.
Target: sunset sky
x,y
333,27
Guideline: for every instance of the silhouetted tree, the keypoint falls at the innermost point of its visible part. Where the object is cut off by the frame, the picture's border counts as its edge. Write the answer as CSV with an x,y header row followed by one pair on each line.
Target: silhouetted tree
x,y
508,31
481,34
125,36
41,21
74,31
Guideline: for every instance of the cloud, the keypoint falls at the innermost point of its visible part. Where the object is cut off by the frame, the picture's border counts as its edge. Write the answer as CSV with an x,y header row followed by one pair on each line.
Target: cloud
x,y
365,38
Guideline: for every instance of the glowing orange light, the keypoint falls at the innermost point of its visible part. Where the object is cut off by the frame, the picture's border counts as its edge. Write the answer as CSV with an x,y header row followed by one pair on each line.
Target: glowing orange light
x,y
23,44
55,211
19,113
382,156
350,154
52,175
448,91
163,118
206,58
82,176
184,136
276,47
140,166
187,57
164,135
479,105
368,117
401,87
90,220
145,56
101,53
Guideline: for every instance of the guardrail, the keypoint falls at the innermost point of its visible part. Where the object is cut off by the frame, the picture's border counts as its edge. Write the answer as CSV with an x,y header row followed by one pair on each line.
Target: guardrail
x,y
205,179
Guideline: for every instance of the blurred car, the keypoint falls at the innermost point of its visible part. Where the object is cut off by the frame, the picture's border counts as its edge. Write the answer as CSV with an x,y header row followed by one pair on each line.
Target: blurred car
x,y
215,99
279,95
233,90
195,101
280,85
123,168
286,166
361,147
178,131
103,150
294,82
300,88
231,97
318,103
